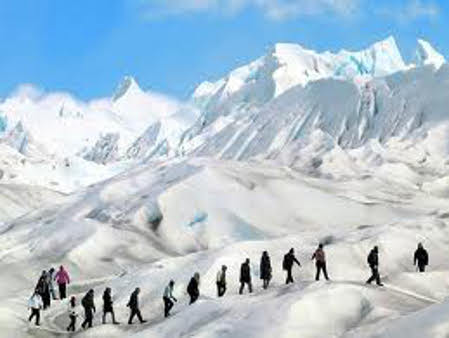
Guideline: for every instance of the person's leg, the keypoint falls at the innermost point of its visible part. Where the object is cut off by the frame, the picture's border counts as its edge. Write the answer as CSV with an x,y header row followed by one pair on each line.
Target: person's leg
x,y
421,267
325,271
378,282
30,318
38,316
318,270
139,316
250,287
64,291
242,285
373,276
91,317
289,276
131,316
61,295
104,318
113,317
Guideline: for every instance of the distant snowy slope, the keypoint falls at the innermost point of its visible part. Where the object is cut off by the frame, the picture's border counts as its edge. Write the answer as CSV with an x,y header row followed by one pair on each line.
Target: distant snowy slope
x,y
61,125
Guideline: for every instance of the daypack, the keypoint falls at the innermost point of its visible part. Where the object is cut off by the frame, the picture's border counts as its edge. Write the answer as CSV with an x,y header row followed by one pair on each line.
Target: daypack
x,y
285,262
371,258
84,302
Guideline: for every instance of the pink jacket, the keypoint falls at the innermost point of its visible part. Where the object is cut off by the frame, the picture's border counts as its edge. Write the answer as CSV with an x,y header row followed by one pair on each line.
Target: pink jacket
x,y
62,277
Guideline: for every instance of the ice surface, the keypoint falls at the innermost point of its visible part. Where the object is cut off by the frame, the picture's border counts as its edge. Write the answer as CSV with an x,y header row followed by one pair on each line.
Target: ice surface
x,y
349,149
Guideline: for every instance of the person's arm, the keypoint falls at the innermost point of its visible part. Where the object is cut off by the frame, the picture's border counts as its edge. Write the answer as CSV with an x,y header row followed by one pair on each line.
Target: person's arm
x,y
313,256
296,260
415,257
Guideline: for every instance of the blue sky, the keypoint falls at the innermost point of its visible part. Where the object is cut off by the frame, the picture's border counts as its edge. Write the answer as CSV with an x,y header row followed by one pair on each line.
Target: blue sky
x,y
170,46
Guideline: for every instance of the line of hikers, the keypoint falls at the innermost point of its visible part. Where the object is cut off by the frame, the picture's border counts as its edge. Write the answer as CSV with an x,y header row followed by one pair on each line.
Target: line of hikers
x,y
41,297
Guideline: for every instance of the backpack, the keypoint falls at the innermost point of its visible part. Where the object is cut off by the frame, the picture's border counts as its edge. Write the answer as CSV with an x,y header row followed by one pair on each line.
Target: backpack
x,y
84,302
284,262
370,259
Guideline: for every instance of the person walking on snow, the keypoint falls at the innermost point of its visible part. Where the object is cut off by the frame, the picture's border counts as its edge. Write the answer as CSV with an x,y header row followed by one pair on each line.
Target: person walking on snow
x,y
73,314
265,269
168,298
51,283
35,304
421,257
287,264
373,262
62,278
133,305
320,262
43,289
245,276
108,306
221,281
89,309
193,288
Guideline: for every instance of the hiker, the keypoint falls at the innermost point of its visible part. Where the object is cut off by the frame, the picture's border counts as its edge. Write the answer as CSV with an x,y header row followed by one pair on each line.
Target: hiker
x,y
51,283
62,278
265,269
245,276
133,305
73,314
320,262
193,288
421,257
287,264
108,306
221,281
35,304
373,262
43,289
89,309
168,298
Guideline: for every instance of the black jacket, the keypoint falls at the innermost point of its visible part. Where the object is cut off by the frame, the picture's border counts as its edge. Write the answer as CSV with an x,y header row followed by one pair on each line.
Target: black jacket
x,y
88,302
265,267
192,288
107,302
421,256
373,258
134,301
289,259
245,273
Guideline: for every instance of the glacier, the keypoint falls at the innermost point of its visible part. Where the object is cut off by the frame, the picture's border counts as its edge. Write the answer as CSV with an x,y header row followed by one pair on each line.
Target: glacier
x,y
298,147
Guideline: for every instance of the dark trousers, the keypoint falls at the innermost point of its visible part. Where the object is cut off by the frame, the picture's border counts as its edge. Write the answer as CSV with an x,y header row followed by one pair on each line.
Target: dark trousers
x,y
135,312
35,313
374,275
168,304
321,266
266,282
421,267
88,317
242,286
46,298
221,289
193,297
111,311
72,324
289,276
62,291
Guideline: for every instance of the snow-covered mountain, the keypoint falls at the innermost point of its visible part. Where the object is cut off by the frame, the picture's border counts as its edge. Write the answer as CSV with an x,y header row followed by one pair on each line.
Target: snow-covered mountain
x,y
61,125
349,149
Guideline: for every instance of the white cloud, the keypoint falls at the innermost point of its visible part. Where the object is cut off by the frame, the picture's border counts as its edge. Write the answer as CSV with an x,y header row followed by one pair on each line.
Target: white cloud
x,y
413,10
273,9
417,9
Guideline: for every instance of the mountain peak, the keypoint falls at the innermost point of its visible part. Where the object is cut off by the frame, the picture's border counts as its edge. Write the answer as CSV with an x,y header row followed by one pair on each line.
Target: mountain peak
x,y
427,55
127,85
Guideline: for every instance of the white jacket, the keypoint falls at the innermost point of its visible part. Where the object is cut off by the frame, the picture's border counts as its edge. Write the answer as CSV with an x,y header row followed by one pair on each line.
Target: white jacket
x,y
72,310
168,292
35,302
